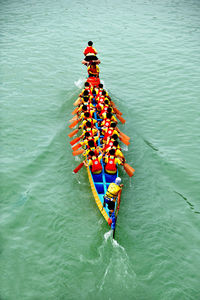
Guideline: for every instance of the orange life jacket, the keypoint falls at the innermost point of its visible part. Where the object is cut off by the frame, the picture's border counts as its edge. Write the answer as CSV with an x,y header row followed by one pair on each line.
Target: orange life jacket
x,y
110,144
108,133
99,92
111,166
107,123
96,165
104,110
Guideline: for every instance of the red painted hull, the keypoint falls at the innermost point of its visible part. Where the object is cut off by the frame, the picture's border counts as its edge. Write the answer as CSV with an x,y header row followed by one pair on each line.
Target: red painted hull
x,y
93,81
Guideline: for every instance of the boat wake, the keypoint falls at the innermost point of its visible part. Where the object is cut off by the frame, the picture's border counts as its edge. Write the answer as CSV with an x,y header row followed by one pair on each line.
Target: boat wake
x,y
79,83
118,264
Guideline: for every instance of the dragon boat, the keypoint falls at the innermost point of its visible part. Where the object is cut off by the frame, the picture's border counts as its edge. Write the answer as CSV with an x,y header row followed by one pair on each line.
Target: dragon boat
x,y
100,182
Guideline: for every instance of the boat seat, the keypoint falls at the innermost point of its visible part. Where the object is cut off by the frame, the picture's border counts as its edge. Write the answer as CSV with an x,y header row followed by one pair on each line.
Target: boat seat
x,y
110,177
99,188
97,177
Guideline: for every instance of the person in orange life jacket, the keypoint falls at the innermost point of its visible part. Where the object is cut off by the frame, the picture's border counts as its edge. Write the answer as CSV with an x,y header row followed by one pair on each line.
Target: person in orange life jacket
x,y
89,132
89,122
83,108
111,195
90,54
86,100
99,102
88,139
99,90
86,115
92,147
111,162
107,132
104,93
108,118
88,88
93,70
118,153
101,96
111,143
88,126
104,111
94,162
86,94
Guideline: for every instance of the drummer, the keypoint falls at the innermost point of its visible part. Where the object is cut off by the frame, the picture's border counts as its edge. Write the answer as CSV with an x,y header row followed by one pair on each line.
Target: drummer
x,y
90,54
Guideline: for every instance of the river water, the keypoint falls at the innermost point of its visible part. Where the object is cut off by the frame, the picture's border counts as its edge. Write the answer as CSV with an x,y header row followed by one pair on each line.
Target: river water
x,y
54,242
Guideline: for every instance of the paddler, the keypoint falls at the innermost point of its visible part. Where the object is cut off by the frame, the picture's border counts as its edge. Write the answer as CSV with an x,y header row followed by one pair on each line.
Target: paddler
x,y
87,88
90,54
108,118
90,141
94,162
86,108
111,195
87,123
109,131
111,161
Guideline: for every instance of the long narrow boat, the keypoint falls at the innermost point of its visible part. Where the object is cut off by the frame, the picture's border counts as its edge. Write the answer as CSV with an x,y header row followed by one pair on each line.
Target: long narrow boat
x,y
99,182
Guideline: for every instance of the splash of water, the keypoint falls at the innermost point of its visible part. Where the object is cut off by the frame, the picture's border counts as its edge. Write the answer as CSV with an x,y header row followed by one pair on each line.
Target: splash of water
x,y
79,83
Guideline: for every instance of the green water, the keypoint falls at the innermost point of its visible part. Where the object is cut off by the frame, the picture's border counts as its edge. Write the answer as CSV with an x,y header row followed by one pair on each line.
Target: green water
x,y
54,242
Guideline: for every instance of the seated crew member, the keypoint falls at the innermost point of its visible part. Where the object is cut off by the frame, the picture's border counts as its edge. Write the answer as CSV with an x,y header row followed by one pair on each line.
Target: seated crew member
x,y
86,108
101,95
99,101
86,100
89,132
90,54
92,146
94,162
88,88
107,120
87,115
107,132
87,141
87,123
111,195
93,70
105,109
111,162
111,143
117,151
104,93
100,89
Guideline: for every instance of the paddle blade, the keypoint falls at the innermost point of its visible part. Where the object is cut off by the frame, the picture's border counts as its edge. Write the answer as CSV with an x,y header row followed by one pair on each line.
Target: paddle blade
x,y
125,136
117,111
71,134
78,152
74,124
78,168
129,170
126,142
121,119
112,103
73,119
75,111
77,102
76,147
74,141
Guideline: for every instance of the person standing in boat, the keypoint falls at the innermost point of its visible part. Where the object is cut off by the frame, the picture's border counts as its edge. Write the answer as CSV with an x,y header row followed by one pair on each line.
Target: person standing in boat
x,y
113,191
90,54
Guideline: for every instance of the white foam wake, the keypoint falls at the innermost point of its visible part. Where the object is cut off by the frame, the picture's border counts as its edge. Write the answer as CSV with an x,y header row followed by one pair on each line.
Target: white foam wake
x,y
79,83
